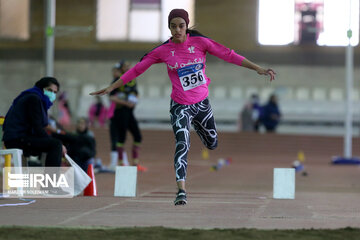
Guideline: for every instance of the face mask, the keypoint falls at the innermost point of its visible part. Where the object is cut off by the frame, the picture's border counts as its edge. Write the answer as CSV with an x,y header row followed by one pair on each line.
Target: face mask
x,y
50,95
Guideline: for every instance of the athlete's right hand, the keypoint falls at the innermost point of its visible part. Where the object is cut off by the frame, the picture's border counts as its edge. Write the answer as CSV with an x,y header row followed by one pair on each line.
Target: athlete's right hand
x,y
102,91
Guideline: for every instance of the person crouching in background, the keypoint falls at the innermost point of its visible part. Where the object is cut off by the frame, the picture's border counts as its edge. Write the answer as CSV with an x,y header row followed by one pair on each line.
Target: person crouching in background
x,y
81,144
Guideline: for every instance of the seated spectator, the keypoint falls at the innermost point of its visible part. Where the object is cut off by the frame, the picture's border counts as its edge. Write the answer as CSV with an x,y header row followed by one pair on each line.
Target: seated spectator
x,y
271,114
25,122
80,144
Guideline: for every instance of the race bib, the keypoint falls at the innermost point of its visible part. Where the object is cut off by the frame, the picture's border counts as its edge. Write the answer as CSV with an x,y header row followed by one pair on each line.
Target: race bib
x,y
191,76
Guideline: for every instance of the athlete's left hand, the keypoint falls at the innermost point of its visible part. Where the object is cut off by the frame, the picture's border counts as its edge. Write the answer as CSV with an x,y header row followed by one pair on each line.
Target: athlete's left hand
x,y
268,72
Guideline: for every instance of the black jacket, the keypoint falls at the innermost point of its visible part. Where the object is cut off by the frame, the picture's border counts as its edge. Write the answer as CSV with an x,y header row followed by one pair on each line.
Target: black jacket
x,y
26,117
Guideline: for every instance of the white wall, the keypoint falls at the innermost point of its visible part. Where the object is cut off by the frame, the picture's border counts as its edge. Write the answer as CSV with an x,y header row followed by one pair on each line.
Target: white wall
x,y
298,87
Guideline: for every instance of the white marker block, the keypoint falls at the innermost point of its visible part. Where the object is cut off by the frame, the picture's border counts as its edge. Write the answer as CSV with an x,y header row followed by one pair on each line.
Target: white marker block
x,y
125,181
284,183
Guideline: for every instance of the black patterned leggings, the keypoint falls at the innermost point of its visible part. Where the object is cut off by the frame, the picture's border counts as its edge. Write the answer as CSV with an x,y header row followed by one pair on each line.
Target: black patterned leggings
x,y
200,115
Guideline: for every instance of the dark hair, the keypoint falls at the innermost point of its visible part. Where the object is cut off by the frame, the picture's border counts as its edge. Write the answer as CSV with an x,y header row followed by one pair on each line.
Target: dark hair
x,y
47,81
194,32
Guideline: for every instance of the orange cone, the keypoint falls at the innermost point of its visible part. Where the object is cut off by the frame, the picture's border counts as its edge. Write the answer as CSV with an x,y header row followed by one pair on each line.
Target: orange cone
x,y
91,190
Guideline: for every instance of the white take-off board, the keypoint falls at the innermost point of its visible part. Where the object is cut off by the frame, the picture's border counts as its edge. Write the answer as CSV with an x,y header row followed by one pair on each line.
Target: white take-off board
x,y
284,183
125,181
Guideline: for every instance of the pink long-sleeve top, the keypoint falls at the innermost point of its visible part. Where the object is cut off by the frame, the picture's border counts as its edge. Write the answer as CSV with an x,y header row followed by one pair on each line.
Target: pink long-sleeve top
x,y
185,65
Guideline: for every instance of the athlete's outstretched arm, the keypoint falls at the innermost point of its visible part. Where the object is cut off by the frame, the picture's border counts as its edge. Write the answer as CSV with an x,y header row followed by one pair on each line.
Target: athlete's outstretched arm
x,y
134,72
231,56
109,89
262,71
